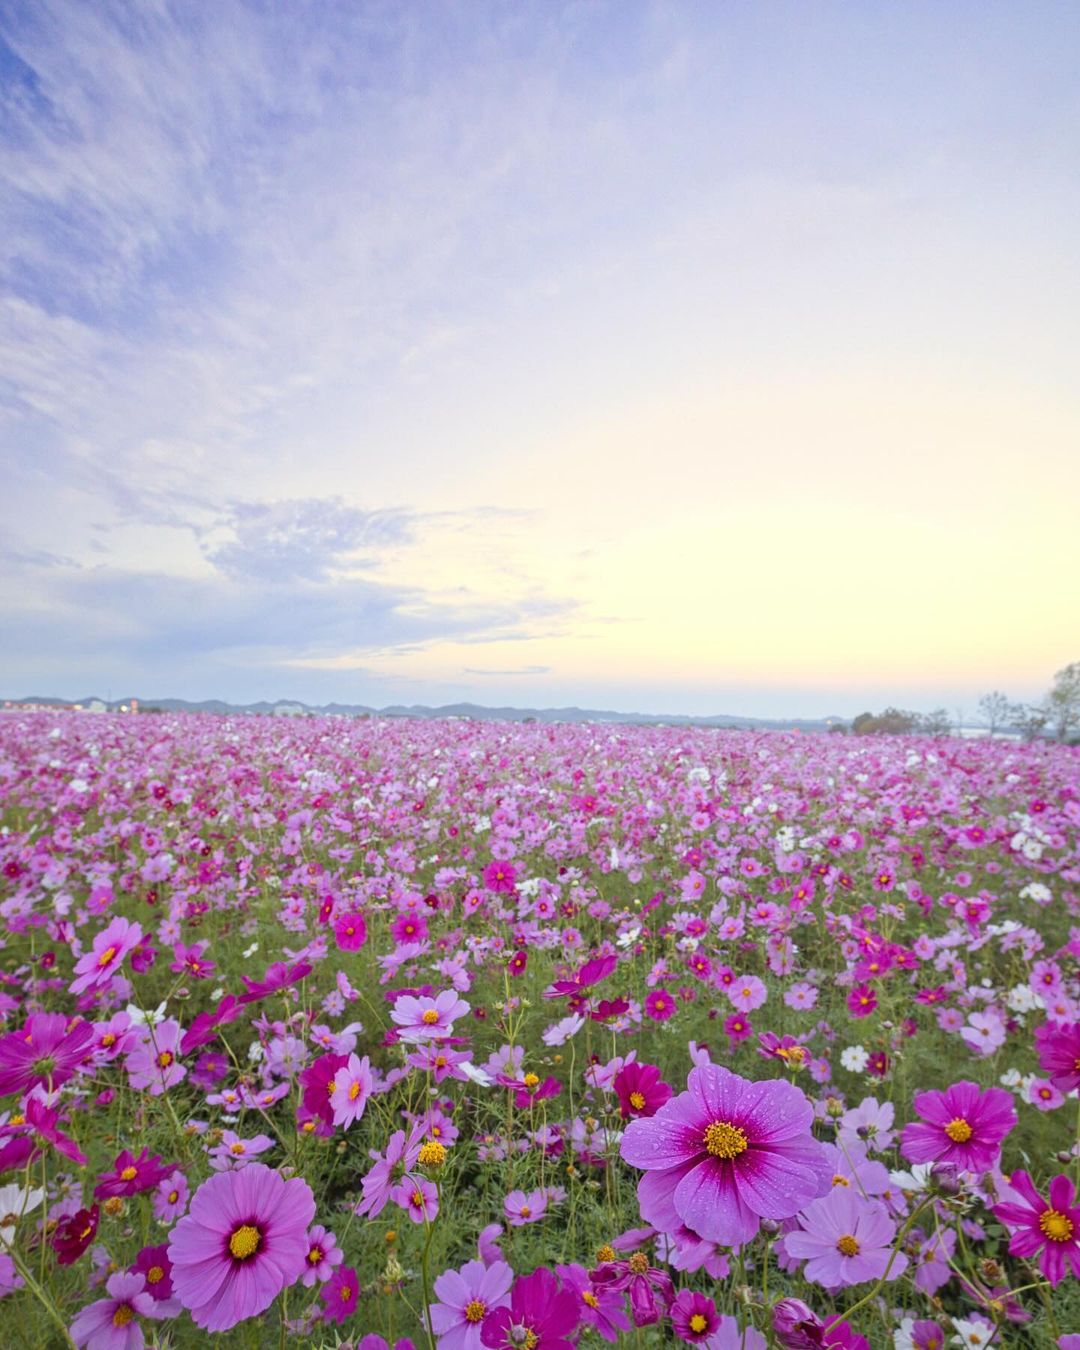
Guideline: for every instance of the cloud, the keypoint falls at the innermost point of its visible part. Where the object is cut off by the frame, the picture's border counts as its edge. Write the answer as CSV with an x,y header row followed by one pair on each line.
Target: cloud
x,y
519,670
304,540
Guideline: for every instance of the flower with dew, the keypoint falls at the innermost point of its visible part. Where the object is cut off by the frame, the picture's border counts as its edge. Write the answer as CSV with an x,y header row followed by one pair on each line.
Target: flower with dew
x,y
1049,1229
243,1241
964,1126
845,1239
725,1154
112,1323
539,1316
651,1290
465,1297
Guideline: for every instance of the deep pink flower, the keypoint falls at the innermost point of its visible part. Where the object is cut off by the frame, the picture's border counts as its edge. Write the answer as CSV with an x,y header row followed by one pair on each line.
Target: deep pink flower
x,y
601,1309
339,1294
350,931
541,1316
659,1005
964,1126
694,1317
651,1290
500,876
1058,1047
74,1234
640,1089
47,1050
129,1174
862,1000
153,1264
1050,1229
594,971
244,1240
725,1154
280,975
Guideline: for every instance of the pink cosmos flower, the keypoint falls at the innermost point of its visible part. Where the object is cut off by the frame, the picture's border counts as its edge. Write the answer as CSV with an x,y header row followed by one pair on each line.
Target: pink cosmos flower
x,y
129,1174
747,993
353,1085
1058,1047
428,1019
244,1241
1049,1229
845,1240
659,1005
725,1154
984,1033
862,1000
112,1323
963,1126
418,1197
339,1295
466,1296
322,1256
640,1089
97,967
153,1063
601,1309
521,1209
500,876
694,1317
651,1290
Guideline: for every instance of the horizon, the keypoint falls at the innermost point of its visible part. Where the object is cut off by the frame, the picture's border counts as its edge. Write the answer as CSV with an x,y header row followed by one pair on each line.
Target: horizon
x,y
620,357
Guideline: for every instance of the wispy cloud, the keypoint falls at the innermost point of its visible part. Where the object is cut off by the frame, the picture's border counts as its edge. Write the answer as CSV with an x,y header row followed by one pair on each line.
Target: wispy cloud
x,y
515,670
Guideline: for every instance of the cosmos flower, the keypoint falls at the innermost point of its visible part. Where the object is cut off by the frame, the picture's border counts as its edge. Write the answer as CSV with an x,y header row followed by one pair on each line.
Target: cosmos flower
x,y
323,1255
539,1315
48,1050
428,1019
844,1239
339,1295
112,1323
1049,1229
466,1296
1058,1047
243,1241
725,1154
353,1086
129,1174
601,1309
73,1235
98,966
651,1290
964,1126
350,931
694,1317
640,1089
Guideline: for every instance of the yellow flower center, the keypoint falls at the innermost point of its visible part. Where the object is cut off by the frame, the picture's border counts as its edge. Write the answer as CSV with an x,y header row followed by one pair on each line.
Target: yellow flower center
x,y
474,1311
432,1154
440,1061
417,1199
345,1293
638,1263
155,1275
354,1091
331,1088
165,1059
315,1255
637,1101
589,1299
530,1080
958,1130
1056,1226
108,1039
532,1340
173,1197
236,1148
430,1017
123,1315
838,1180
605,1253
103,960
724,1140
129,1174
847,1246
698,1324
525,1211
244,1243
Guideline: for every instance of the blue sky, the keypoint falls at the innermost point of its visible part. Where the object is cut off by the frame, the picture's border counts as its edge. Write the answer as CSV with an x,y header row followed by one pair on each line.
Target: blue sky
x,y
696,357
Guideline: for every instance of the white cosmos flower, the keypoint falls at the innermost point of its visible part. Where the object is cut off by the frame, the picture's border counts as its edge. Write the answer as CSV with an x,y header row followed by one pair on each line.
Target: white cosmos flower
x,y
140,1018
14,1203
855,1058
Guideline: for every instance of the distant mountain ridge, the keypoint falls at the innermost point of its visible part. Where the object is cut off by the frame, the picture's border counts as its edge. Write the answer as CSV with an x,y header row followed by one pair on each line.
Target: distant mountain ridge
x,y
477,712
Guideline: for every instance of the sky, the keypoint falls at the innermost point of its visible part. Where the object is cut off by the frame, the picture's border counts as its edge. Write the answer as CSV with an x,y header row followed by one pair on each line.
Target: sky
x,y
664,357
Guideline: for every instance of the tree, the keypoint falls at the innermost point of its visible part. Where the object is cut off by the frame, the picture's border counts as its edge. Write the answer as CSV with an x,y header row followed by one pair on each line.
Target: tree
x,y
996,710
1031,719
936,723
1063,702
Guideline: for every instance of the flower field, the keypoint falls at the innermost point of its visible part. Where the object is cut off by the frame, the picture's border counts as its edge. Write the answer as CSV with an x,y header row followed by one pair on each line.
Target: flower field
x,y
459,1034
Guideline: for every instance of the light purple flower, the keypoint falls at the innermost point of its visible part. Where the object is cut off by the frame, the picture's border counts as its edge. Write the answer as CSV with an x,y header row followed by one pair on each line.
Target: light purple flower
x,y
466,1296
845,1240
428,1019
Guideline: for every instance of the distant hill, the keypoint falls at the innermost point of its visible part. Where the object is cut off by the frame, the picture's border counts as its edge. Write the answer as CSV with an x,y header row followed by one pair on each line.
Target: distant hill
x,y
475,711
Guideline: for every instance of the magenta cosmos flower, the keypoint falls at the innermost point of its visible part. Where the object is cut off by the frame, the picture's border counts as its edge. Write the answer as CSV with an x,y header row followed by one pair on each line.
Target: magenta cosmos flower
x,y
962,1126
244,1241
428,1019
726,1154
1058,1047
1052,1226
106,955
541,1316
44,1052
641,1090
